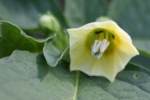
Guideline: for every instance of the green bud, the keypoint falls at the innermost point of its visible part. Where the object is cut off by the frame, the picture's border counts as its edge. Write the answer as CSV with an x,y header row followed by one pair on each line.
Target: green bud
x,y
50,22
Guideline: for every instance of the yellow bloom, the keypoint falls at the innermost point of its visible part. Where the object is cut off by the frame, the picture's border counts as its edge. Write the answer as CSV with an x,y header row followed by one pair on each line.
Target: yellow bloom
x,y
100,49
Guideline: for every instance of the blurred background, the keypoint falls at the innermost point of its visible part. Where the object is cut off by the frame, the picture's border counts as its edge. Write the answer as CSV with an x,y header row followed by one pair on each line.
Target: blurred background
x,y
132,15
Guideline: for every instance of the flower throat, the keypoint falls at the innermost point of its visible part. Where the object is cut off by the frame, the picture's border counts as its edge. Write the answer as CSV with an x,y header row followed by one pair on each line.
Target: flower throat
x,y
101,41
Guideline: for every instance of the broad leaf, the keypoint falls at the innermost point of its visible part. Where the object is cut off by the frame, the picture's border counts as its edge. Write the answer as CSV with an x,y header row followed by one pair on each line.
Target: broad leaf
x,y
26,13
26,76
12,37
79,12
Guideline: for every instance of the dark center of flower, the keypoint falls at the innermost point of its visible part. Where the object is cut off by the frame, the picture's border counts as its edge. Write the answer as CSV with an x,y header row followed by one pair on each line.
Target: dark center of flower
x,y
101,39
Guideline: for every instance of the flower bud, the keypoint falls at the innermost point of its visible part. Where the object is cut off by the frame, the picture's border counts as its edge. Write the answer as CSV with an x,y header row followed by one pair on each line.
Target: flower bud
x,y
50,22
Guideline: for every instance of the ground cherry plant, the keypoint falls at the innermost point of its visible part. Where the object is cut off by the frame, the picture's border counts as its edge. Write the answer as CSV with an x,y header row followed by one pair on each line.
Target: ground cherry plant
x,y
74,50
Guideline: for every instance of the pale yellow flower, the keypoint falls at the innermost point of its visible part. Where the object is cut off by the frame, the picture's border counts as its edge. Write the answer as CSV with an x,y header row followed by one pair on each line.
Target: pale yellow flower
x,y
100,49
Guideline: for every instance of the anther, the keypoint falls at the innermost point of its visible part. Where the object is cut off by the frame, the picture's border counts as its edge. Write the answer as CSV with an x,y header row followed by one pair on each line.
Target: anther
x,y
99,47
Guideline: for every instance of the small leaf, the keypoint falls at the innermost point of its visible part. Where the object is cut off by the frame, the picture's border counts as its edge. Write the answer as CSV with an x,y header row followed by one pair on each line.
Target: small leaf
x,y
55,49
12,37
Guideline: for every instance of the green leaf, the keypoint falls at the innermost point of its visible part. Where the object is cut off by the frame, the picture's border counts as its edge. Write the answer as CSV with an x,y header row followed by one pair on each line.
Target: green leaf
x,y
79,12
142,62
132,15
26,13
55,49
12,37
26,76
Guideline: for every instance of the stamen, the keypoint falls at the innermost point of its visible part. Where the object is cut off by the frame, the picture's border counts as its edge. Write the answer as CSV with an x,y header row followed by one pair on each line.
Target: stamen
x,y
104,44
99,47
96,46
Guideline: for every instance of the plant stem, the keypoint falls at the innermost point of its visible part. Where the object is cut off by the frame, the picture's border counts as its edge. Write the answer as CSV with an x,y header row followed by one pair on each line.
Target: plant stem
x,y
77,79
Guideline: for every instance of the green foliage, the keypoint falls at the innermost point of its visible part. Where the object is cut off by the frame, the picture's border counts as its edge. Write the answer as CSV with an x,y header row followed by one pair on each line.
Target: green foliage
x,y
12,37
55,49
27,72
26,76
